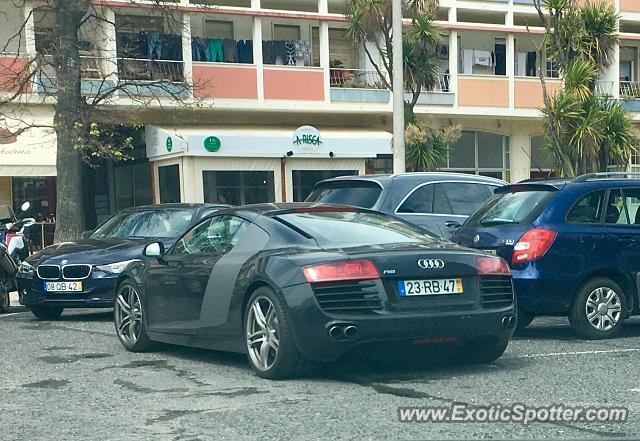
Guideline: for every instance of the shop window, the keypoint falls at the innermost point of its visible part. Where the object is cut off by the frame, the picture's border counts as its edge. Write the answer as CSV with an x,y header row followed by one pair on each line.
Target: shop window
x,y
40,192
304,180
238,187
480,153
132,185
169,183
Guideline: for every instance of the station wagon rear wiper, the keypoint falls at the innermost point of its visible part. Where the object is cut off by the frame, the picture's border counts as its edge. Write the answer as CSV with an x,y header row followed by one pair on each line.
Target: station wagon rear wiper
x,y
490,222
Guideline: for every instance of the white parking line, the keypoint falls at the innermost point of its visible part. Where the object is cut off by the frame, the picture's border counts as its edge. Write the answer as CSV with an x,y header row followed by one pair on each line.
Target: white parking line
x,y
557,354
13,313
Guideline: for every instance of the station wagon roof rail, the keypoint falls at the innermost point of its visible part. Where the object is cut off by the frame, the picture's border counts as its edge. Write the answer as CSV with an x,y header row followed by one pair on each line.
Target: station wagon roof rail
x,y
604,175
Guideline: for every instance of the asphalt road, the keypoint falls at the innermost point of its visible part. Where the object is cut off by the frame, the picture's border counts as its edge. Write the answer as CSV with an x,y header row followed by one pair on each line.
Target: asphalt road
x,y
71,380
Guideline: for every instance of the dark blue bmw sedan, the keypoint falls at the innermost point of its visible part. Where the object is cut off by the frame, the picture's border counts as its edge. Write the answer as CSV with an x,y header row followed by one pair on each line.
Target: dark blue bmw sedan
x,y
83,274
573,245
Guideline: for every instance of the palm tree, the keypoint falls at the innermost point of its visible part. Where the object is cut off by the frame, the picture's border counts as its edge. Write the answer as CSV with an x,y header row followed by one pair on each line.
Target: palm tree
x,y
583,130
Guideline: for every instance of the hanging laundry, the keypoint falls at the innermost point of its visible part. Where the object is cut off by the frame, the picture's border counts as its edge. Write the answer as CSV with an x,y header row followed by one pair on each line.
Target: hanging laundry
x,y
531,63
290,57
216,51
482,58
521,64
302,52
279,52
268,54
230,51
245,51
154,43
467,61
199,49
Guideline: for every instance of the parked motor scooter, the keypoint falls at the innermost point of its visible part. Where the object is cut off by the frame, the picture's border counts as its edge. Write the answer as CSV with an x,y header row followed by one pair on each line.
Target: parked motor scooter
x,y
13,249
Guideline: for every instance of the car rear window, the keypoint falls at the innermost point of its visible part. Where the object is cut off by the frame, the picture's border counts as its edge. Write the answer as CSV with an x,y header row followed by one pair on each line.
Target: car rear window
x,y
357,193
335,228
511,208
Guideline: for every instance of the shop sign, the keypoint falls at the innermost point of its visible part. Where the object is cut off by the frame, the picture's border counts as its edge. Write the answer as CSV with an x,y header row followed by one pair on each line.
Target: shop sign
x,y
212,144
307,138
169,144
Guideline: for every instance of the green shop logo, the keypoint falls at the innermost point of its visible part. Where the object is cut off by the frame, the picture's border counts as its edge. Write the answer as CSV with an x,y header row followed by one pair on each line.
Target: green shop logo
x,y
307,136
169,144
212,144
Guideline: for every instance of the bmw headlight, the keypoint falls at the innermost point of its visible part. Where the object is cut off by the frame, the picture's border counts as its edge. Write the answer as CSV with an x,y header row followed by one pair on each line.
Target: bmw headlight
x,y
26,270
115,268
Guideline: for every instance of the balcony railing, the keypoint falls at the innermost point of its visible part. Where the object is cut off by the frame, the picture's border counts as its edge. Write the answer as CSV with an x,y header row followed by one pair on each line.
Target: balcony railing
x,y
90,67
629,89
604,88
140,69
355,78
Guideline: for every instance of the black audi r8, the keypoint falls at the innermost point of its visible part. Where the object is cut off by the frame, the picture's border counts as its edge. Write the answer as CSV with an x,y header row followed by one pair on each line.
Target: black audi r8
x,y
293,284
83,274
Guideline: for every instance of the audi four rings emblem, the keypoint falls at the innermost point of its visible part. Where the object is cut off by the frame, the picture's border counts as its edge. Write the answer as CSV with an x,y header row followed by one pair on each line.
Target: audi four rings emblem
x,y
430,263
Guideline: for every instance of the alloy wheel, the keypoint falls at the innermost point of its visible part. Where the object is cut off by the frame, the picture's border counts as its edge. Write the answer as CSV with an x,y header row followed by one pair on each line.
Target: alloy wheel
x,y
262,333
128,314
603,309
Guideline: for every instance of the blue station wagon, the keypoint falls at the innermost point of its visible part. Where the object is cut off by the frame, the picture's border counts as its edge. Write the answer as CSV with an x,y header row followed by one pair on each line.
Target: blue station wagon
x,y
573,245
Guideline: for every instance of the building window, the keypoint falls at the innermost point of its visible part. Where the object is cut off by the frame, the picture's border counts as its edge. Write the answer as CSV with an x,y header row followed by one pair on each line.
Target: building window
x,y
238,187
286,32
218,29
542,161
169,183
480,153
132,185
552,69
40,192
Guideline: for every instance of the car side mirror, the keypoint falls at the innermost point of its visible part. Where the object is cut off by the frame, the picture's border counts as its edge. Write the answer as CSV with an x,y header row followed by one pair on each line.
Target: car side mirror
x,y
155,249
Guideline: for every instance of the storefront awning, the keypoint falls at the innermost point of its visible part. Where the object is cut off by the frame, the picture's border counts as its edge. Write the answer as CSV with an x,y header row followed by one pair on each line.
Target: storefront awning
x,y
32,153
257,142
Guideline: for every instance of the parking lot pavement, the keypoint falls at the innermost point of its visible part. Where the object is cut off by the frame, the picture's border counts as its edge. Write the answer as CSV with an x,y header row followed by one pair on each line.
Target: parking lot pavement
x,y
72,380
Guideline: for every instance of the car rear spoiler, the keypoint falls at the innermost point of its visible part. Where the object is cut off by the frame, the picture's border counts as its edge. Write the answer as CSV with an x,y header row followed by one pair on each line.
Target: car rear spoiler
x,y
529,186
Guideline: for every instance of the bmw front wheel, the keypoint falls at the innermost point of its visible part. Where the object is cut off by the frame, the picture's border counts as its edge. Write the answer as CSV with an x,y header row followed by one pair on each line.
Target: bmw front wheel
x,y
269,338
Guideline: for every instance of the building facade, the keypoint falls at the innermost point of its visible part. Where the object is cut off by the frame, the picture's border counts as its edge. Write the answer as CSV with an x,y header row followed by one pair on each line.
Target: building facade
x,y
275,96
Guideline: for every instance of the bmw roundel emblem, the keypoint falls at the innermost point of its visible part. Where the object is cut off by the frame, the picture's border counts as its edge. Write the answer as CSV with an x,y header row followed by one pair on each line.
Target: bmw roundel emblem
x,y
431,263
476,238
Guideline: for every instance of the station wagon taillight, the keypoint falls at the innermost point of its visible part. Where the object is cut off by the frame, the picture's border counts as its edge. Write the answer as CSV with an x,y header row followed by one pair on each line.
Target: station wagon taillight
x,y
492,266
340,271
533,245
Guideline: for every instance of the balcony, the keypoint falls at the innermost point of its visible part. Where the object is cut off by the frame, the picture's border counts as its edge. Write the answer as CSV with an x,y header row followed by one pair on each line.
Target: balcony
x,y
293,83
629,6
145,77
93,73
225,80
528,92
357,85
483,91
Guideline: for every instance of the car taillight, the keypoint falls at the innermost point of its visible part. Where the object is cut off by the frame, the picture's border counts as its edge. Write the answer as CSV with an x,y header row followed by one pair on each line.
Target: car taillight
x,y
337,271
533,245
492,266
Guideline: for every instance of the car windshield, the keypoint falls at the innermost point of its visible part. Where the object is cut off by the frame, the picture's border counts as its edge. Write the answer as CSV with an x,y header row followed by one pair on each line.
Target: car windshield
x,y
510,208
145,224
357,193
355,228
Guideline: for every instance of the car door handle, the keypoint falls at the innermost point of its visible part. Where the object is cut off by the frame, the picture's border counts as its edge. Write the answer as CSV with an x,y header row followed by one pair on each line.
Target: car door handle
x,y
453,224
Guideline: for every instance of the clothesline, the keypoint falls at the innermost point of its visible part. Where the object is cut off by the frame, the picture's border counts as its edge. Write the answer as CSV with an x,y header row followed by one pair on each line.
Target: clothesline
x,y
295,53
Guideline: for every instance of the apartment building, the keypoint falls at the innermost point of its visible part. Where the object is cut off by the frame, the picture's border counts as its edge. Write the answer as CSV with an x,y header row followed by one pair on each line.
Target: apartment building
x,y
280,97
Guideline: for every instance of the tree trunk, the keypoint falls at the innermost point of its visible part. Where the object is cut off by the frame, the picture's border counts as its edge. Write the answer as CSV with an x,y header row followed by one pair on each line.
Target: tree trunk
x,y
70,216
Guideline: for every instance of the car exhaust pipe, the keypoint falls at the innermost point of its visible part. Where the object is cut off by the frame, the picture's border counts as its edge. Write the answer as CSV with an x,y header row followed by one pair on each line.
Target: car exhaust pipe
x,y
336,332
351,331
508,321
